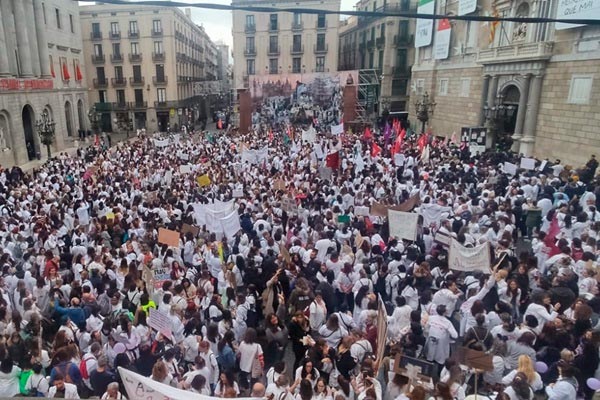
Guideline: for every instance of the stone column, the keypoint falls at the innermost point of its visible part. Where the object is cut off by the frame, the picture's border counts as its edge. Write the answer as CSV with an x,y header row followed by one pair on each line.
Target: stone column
x,y
9,29
42,41
22,39
4,64
492,91
484,95
33,43
533,106
522,111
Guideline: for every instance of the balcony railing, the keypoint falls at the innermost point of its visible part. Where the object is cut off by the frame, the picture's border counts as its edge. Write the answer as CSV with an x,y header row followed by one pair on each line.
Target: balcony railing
x,y
539,50
319,49
380,41
158,56
98,59
250,28
100,83
116,58
250,52
137,81
400,70
118,82
273,51
273,27
159,80
120,105
135,57
133,34
403,40
136,105
166,104
322,25
297,49
157,32
114,35
297,26
96,35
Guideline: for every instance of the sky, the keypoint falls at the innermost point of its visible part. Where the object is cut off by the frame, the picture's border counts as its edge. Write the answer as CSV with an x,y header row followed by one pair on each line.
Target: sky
x,y
218,23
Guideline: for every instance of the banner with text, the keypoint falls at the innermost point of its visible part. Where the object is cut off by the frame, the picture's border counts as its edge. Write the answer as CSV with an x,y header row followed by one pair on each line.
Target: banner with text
x,y
424,29
403,225
469,259
442,40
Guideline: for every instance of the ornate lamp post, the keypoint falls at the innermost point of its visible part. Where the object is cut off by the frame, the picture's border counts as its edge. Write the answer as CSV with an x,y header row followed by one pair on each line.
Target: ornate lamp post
x,y
45,127
424,109
94,118
495,116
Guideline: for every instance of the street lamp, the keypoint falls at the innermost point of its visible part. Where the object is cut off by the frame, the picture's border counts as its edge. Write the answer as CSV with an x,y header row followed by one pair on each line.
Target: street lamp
x,y
45,127
94,118
424,109
494,116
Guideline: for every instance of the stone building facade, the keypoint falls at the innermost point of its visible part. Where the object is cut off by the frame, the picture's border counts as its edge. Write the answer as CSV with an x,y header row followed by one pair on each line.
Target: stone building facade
x,y
41,68
541,75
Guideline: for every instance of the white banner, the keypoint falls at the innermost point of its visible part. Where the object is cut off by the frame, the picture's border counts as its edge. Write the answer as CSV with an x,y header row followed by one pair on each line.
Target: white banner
x,y
255,156
160,321
528,163
161,143
424,29
509,168
140,387
442,40
403,225
231,224
185,169
309,136
469,259
337,129
466,6
576,9
361,211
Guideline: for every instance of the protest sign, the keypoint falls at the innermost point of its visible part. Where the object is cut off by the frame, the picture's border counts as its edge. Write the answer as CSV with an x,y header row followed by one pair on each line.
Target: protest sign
x,y
285,254
510,168
443,239
237,193
190,228
168,237
468,259
279,185
378,210
185,169
337,129
343,219
159,276
358,240
543,165
325,173
289,205
203,180
399,159
403,225
361,210
528,163
409,204
160,321
161,143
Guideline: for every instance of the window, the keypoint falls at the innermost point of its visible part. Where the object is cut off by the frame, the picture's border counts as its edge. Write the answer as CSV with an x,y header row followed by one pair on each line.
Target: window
x,y
373,33
403,30
420,86
120,96
116,49
382,31
137,73
399,87
133,27
64,66
380,61
96,29
321,21
44,13
100,74
273,65
273,44
71,23
250,20
581,89
465,87
158,47
371,59
160,72
297,19
296,65
472,33
320,41
139,96
273,22
250,67
401,59
443,89
119,72
135,48
161,94
57,13
102,96
98,50
114,28
320,67
156,25
297,43
250,44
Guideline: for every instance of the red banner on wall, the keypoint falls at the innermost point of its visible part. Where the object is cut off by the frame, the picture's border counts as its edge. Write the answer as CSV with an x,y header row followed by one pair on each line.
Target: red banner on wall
x,y
26,84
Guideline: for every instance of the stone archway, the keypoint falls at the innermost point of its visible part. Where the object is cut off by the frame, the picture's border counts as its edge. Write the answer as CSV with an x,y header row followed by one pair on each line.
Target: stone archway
x,y
69,118
81,115
28,119
511,96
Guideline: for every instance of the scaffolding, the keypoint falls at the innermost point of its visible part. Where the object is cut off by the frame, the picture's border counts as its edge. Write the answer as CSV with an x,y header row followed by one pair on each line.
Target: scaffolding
x,y
367,94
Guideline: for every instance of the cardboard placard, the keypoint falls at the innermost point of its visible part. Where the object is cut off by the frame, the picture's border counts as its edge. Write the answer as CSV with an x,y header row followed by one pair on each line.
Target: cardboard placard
x,y
474,359
408,205
185,169
403,225
279,185
343,219
190,228
289,205
424,371
203,180
168,237
510,168
361,211
160,321
528,163
379,210
238,193
358,240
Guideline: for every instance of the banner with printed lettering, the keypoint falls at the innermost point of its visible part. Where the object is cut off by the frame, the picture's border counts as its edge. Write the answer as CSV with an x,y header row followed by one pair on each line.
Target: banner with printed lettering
x,y
161,322
442,40
403,225
141,387
337,129
466,6
468,259
424,28
161,143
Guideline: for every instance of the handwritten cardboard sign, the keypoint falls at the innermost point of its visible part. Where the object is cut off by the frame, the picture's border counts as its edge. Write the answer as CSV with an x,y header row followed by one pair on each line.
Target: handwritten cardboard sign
x,y
168,237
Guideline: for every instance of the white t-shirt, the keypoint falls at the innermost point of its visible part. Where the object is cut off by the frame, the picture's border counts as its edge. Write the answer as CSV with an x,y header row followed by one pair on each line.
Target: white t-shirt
x,y
247,354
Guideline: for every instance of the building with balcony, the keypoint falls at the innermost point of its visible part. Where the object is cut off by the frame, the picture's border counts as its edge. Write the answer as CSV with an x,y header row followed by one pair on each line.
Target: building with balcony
x,y
534,83
143,62
42,69
283,42
384,46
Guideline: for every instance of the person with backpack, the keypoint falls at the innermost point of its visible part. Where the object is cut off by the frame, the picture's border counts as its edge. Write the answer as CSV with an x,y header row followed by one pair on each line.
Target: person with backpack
x,y
37,384
65,369
479,335
89,363
101,377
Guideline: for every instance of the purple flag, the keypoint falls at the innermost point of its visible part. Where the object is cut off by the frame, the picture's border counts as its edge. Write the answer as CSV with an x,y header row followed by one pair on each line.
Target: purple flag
x,y
387,134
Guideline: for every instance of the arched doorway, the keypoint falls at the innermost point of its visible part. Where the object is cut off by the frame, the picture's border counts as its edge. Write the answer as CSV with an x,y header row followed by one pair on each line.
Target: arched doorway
x,y
69,118
81,115
28,118
4,130
511,96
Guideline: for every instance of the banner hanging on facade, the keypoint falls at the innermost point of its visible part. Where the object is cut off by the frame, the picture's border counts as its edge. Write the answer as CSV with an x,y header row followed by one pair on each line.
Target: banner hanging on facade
x,y
466,6
424,30
442,40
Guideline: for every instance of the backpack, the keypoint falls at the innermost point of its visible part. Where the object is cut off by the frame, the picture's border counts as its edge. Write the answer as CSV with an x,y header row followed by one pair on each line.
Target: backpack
x,y
35,391
251,318
83,367
127,304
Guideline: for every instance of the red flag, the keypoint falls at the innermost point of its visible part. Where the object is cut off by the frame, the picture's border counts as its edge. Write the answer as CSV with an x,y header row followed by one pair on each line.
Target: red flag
x,y
375,150
422,142
333,160
368,134
66,75
78,74
397,147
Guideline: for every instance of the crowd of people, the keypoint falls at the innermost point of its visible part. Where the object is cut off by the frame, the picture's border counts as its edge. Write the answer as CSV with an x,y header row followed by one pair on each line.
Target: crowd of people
x,y
287,307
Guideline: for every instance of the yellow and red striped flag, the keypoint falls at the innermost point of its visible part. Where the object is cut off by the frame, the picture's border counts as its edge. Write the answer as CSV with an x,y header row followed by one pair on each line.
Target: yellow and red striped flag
x,y
493,25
